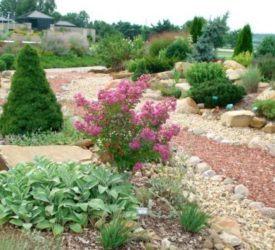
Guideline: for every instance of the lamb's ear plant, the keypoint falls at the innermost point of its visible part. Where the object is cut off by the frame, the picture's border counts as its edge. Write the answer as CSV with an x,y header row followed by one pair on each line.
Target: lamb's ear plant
x,y
115,234
192,219
51,196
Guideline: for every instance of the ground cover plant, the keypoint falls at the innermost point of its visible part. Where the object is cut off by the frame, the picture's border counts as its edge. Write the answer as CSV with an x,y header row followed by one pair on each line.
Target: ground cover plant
x,y
51,196
128,137
266,108
31,105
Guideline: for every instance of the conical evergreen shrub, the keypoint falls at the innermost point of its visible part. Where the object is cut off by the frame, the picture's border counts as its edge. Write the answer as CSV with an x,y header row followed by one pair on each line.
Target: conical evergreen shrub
x,y
244,42
31,105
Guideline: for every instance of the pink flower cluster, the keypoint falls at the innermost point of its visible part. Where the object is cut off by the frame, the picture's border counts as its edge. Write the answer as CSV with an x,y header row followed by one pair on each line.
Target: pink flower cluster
x,y
115,125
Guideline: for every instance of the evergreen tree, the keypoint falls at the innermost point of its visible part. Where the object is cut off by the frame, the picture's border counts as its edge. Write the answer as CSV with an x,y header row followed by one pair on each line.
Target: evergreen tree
x,y
31,104
196,28
244,42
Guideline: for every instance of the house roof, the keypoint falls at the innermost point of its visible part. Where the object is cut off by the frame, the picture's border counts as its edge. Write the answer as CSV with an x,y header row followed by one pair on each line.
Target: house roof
x,y
36,15
65,24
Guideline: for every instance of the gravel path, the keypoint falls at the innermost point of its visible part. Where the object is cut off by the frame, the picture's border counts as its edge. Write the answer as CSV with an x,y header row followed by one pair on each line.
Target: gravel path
x,y
254,168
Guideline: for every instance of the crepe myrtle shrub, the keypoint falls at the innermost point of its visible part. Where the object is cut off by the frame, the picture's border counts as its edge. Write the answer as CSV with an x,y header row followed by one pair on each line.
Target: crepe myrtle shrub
x,y
31,104
127,136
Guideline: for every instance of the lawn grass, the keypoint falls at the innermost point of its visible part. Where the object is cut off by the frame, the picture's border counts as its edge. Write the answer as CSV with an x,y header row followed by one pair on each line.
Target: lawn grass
x,y
53,61
225,54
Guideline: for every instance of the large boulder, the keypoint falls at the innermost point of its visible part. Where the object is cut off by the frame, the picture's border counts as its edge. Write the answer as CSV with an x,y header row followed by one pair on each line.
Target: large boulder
x,y
187,105
268,94
11,155
237,118
230,64
182,67
235,74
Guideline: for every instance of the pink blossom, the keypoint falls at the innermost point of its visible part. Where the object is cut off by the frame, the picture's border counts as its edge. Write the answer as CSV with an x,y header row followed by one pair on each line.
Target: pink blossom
x,y
135,144
148,134
138,166
166,133
163,150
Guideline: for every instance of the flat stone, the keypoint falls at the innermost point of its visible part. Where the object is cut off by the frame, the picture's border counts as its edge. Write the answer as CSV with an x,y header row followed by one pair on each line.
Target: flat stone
x,y
121,75
242,190
208,244
193,161
256,205
268,94
228,180
235,74
255,142
217,178
237,118
238,197
231,64
230,239
198,131
11,155
184,86
228,225
188,106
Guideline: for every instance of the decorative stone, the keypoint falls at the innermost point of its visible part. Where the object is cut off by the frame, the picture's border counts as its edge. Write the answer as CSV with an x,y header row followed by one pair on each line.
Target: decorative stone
x,y
257,122
269,128
228,225
217,178
242,190
208,244
164,75
236,74
202,167
268,94
219,246
238,197
153,94
255,142
230,239
256,205
268,211
184,87
198,131
87,143
271,149
238,118
228,180
165,244
187,105
209,173
121,75
182,67
193,161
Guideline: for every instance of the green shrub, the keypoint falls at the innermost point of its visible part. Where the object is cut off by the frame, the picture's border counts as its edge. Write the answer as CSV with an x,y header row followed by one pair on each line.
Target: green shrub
x,y
31,104
149,65
171,91
244,58
196,28
51,196
114,51
219,92
8,59
267,46
3,65
115,234
201,72
250,80
266,64
266,108
192,219
244,42
178,50
158,45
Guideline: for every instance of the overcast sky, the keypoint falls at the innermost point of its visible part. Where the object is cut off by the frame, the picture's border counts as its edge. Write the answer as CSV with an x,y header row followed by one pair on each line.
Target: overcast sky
x,y
259,14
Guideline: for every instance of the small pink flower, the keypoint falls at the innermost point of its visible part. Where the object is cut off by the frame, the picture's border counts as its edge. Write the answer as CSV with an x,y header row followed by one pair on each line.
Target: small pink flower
x,y
135,144
148,134
138,166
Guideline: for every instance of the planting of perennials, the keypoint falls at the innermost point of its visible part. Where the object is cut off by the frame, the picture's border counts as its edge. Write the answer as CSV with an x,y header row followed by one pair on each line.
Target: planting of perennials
x,y
129,137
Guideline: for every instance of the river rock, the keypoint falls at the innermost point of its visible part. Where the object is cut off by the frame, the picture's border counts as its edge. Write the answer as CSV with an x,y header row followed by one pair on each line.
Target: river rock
x,y
187,105
269,128
268,94
241,190
230,239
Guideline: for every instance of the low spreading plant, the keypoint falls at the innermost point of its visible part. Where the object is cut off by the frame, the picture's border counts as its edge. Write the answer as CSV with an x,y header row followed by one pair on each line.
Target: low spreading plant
x,y
218,92
192,219
266,108
244,58
115,234
171,91
129,137
51,196
202,72
251,79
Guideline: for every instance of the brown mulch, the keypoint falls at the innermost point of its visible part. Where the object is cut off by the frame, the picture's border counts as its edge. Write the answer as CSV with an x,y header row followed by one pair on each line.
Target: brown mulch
x,y
255,168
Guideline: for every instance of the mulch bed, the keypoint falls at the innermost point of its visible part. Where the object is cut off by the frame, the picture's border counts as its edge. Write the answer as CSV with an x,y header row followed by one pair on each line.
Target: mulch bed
x,y
255,168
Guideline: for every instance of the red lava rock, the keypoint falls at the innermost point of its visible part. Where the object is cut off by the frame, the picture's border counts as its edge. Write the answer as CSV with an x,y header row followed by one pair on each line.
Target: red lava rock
x,y
255,168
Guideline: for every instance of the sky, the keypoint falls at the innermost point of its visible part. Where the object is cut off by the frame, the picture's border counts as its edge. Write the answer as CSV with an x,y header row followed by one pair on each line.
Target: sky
x,y
259,14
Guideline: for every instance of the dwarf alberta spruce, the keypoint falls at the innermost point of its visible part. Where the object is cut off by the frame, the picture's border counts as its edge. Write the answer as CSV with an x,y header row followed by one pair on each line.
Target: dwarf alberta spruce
x,y
128,136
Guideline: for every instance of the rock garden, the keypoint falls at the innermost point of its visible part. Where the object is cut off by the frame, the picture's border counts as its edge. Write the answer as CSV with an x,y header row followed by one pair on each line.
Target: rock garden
x,y
153,151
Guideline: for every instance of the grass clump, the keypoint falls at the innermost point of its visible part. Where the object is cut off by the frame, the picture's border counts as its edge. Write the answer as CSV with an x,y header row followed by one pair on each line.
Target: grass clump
x,y
266,108
115,234
192,219
250,80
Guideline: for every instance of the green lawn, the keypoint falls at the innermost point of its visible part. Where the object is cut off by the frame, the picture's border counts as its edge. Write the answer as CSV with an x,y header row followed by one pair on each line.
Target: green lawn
x,y
227,54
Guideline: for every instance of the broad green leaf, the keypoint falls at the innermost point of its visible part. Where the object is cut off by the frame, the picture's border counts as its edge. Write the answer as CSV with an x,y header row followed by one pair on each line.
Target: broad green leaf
x,y
27,226
113,193
58,229
97,204
44,225
102,189
17,222
76,228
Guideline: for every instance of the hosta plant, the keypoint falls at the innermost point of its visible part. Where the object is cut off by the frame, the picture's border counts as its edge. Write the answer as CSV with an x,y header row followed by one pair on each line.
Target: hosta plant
x,y
129,137
51,196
